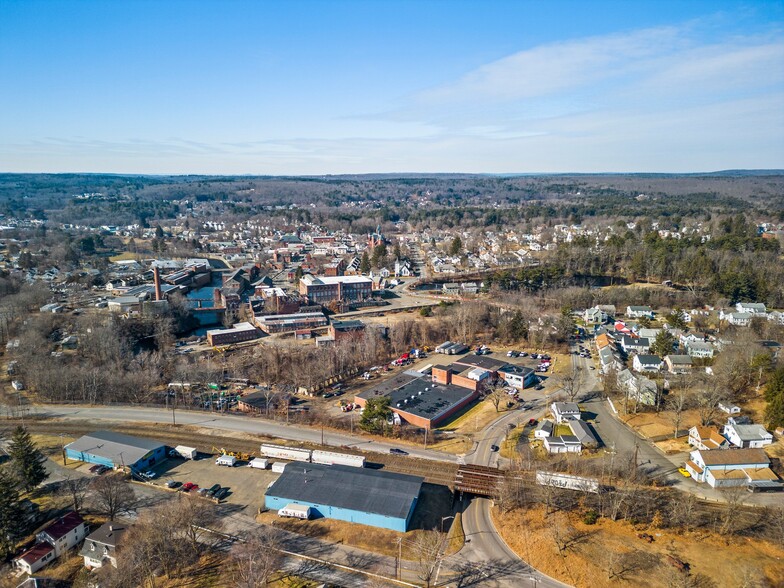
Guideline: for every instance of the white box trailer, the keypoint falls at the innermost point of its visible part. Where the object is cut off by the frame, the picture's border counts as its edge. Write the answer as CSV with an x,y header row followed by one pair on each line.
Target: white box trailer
x,y
332,458
283,452
184,452
296,511
258,463
226,460
441,348
278,467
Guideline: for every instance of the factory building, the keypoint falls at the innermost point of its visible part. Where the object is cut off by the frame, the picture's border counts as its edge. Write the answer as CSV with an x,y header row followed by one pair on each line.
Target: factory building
x,y
236,334
326,289
116,450
357,495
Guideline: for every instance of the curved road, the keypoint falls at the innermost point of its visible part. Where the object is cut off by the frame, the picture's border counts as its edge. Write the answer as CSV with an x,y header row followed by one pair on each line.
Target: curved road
x,y
485,553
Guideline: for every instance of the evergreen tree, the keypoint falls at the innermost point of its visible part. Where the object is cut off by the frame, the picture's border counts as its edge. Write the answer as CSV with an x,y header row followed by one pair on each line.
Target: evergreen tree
x,y
26,459
663,343
364,265
375,415
11,516
456,247
158,232
774,395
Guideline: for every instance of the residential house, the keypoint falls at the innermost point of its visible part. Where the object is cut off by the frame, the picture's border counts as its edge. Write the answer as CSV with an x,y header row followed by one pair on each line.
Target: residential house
x,y
747,435
64,533
565,411
756,308
451,289
731,467
594,316
544,429
53,540
635,344
649,334
739,319
678,364
100,547
638,388
582,431
563,444
647,363
469,287
706,438
35,558
639,312
700,349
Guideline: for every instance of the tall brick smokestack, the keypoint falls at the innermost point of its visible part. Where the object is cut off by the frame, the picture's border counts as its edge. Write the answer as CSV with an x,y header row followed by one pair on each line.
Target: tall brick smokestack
x,y
156,276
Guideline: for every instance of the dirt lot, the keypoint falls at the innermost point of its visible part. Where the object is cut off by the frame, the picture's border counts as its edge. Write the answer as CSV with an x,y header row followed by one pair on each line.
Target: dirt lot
x,y
591,557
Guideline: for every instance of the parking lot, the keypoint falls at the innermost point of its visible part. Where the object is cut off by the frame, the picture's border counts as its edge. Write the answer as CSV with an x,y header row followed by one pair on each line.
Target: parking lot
x,y
246,485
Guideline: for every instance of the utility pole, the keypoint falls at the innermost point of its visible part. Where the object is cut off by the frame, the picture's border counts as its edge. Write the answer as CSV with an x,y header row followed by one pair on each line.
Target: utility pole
x,y
399,560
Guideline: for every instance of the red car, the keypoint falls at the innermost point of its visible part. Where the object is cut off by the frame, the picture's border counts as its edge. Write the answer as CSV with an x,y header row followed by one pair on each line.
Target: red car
x,y
531,422
188,486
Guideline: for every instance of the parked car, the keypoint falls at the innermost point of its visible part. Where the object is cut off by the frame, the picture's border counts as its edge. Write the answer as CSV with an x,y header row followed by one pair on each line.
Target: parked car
x,y
96,469
221,494
150,474
397,451
213,489
684,472
173,484
494,448
532,422
189,486
202,491
539,387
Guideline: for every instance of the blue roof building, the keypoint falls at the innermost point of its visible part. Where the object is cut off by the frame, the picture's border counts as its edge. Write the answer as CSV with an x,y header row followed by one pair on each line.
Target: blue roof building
x,y
357,495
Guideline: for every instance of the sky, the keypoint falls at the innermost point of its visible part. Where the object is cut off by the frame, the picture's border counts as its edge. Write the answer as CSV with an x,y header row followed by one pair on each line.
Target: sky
x,y
374,86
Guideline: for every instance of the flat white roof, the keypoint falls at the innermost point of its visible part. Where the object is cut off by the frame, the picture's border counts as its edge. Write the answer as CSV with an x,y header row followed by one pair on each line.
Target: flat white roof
x,y
237,328
337,280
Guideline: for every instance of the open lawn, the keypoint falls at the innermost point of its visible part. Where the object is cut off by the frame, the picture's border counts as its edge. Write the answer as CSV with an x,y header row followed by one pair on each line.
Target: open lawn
x,y
609,554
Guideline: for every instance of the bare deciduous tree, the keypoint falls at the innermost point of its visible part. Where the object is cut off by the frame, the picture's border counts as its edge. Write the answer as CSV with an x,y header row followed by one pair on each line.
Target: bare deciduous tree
x,y
112,495
74,489
429,547
254,562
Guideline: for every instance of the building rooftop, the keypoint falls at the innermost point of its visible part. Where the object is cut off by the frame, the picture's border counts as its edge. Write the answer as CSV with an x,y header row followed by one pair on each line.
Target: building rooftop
x,y
372,491
121,449
734,457
312,280
480,361
110,534
64,525
237,328
36,552
427,399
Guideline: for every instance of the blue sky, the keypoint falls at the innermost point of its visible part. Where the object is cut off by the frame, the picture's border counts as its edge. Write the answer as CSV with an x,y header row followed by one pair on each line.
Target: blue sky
x,y
357,87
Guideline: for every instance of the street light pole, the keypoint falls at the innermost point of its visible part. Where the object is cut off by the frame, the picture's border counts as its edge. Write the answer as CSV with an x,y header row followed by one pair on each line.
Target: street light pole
x,y
445,519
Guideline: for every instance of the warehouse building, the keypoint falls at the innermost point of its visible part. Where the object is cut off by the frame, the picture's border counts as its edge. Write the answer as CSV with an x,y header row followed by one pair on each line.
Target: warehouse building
x,y
236,334
116,450
326,289
424,402
357,495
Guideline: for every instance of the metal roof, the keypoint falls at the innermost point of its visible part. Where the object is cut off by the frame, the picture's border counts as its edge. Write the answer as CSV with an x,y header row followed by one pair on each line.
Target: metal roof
x,y
121,449
428,399
351,488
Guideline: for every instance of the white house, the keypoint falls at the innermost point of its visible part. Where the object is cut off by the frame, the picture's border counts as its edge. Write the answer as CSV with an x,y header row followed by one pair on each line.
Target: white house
x,y
706,438
565,411
757,308
700,349
635,344
639,312
55,539
594,316
742,435
64,533
647,363
731,467
563,444
739,319
100,547
544,429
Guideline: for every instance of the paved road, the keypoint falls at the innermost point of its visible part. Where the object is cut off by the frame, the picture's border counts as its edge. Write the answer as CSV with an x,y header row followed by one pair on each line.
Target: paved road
x,y
485,553
228,422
